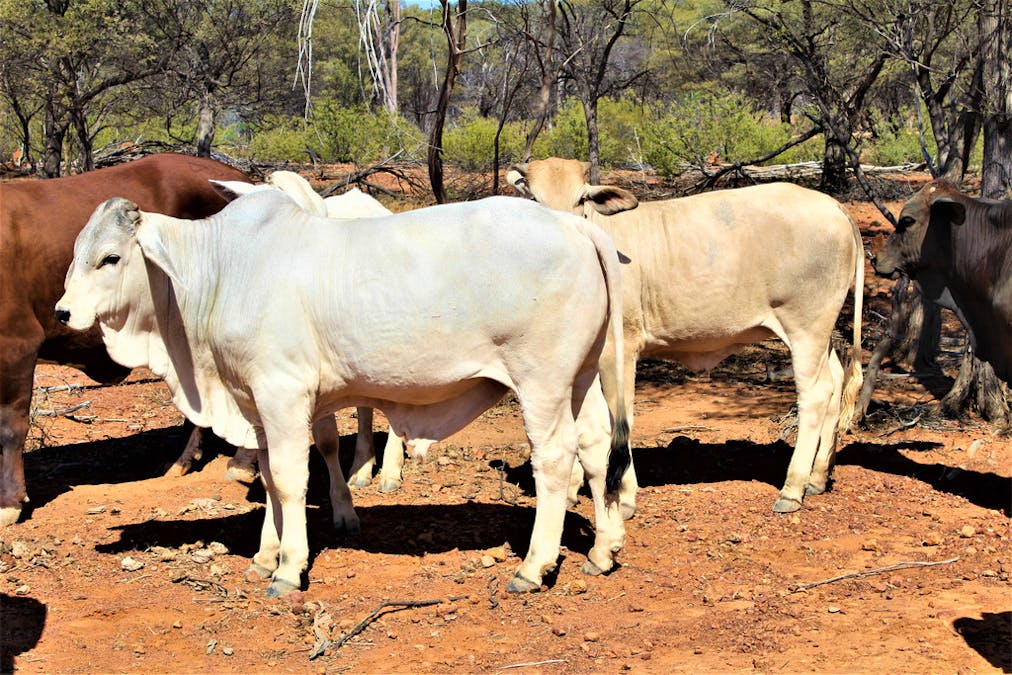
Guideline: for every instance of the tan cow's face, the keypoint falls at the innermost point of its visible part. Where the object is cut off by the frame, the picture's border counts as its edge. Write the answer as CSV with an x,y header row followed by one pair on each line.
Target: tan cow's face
x,y
106,260
563,184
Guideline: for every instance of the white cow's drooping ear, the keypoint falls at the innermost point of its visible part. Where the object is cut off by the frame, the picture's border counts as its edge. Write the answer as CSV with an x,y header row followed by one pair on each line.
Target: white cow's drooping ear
x,y
517,180
608,199
299,189
233,189
152,240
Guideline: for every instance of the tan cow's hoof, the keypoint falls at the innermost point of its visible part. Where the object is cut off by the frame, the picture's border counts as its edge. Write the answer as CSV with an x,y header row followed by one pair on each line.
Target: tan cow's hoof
x,y
786,505
240,474
813,489
519,584
628,510
591,570
9,515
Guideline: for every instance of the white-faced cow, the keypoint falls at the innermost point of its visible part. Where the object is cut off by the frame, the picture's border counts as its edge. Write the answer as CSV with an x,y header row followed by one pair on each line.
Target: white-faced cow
x,y
706,274
959,251
351,204
39,220
271,318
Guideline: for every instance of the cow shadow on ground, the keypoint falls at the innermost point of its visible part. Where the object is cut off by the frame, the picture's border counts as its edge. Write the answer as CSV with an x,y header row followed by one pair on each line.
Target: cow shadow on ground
x,y
687,461
54,470
990,636
22,619
987,490
395,529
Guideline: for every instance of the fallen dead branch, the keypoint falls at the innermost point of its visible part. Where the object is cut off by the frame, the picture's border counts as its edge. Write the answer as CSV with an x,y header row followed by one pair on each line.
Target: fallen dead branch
x,y
868,573
532,664
393,605
62,411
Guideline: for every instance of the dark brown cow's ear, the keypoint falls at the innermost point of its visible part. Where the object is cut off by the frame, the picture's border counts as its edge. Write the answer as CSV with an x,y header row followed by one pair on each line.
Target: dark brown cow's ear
x,y
949,210
608,199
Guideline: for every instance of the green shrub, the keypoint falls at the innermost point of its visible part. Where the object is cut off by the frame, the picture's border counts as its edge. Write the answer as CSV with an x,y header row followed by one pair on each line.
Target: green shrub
x,y
702,124
470,142
357,134
281,139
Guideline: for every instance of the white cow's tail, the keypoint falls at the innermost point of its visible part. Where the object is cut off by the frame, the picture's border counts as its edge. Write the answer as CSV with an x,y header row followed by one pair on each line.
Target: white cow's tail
x,y
854,376
620,456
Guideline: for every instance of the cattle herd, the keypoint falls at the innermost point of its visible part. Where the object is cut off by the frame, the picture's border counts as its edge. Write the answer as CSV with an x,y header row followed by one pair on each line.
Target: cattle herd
x,y
266,309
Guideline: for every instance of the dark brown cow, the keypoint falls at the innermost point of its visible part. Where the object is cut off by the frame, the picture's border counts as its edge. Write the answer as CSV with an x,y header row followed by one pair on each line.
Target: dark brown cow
x,y
959,251
39,221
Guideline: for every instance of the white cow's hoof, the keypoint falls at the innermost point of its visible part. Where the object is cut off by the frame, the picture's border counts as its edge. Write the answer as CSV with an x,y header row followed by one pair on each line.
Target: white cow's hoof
x,y
813,489
257,572
389,485
359,481
9,515
627,509
786,505
279,588
519,584
591,570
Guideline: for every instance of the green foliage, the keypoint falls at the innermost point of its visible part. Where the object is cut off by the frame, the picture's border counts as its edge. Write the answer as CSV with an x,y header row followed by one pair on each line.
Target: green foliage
x,y
470,143
280,139
701,124
357,134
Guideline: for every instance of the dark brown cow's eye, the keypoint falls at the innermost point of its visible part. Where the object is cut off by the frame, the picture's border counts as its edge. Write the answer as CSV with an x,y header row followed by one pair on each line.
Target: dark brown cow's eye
x,y
110,259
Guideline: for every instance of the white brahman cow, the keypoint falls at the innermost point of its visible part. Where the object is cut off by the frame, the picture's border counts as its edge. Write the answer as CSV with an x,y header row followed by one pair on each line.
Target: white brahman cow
x,y
707,274
270,318
352,204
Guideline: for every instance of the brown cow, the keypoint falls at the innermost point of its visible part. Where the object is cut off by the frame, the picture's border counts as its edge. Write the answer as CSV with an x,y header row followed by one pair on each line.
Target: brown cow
x,y
956,248
39,221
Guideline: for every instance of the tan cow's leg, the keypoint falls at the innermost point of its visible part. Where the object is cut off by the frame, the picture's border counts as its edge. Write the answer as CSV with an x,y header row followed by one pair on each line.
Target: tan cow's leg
x,y
393,462
327,442
365,452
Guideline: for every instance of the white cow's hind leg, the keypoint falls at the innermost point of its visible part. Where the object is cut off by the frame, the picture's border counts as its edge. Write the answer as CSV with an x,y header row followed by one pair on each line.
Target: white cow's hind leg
x,y
327,441
242,466
826,455
365,452
593,425
551,431
815,389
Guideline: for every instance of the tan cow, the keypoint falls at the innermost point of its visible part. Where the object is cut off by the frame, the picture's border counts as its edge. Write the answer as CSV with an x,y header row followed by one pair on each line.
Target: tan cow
x,y
707,274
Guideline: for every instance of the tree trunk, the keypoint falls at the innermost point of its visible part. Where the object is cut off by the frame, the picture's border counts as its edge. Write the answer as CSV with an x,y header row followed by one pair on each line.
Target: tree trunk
x,y
996,173
978,388
834,166
205,124
593,140
548,78
390,47
56,131
86,150
455,32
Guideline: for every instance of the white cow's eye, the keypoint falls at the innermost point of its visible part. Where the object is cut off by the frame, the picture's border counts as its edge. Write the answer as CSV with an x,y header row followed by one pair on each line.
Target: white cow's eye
x,y
110,259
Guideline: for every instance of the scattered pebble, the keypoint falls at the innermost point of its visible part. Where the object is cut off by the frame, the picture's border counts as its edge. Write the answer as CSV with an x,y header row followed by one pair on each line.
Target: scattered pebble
x,y
870,545
967,531
933,539
591,637
95,510
558,632
130,565
833,609
487,561
24,589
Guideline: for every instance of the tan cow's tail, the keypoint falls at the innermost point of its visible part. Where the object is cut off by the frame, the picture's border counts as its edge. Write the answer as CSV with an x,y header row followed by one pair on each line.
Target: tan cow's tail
x,y
620,456
855,375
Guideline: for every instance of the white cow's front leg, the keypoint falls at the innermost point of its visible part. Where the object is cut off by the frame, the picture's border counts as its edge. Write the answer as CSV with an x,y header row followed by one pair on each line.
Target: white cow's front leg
x,y
365,452
327,442
265,561
552,456
287,478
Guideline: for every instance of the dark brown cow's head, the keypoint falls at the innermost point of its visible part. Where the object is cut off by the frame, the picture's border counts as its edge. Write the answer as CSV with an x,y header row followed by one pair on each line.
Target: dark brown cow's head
x,y
920,247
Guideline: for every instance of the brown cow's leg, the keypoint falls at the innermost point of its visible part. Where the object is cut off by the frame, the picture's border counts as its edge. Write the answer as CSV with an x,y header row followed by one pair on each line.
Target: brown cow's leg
x,y
17,364
193,452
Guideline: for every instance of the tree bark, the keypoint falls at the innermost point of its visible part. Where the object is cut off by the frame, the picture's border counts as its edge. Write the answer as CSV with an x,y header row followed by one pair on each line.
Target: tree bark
x,y
548,77
455,30
205,124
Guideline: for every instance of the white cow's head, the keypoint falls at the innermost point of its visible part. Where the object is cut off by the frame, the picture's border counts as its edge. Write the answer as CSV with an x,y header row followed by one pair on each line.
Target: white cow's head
x,y
107,270
289,182
563,184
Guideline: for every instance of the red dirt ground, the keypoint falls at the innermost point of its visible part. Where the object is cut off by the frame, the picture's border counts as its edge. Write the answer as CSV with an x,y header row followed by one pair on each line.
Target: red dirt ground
x,y
710,579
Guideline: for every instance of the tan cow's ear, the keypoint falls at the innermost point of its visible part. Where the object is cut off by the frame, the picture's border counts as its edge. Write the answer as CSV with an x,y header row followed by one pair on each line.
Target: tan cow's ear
x,y
608,199
517,180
